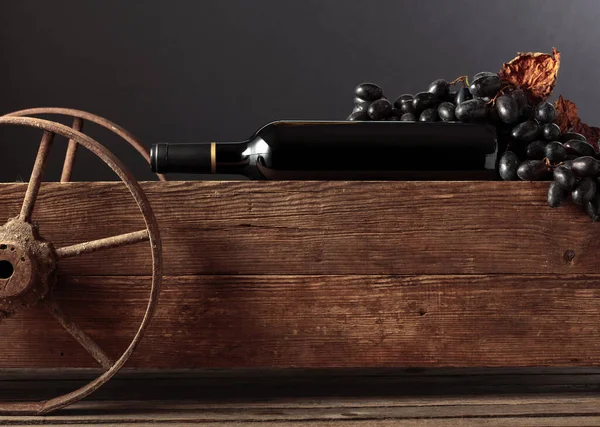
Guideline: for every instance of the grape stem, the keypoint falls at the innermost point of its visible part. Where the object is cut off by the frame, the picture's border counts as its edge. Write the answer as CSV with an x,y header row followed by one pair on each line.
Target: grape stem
x,y
463,79
550,165
500,93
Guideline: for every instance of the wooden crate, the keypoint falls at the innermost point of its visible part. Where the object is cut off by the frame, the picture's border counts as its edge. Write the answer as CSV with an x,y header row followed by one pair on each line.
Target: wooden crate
x,y
321,275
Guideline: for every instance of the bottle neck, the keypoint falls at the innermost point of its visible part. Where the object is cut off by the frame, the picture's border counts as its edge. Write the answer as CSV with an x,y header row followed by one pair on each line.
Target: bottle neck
x,y
201,158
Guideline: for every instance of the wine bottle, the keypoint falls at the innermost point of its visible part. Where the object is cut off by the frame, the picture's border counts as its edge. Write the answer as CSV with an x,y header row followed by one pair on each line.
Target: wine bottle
x,y
342,150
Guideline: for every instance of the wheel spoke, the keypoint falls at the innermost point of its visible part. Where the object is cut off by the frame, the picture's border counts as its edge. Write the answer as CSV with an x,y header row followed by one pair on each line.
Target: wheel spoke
x,y
98,245
71,153
82,338
36,176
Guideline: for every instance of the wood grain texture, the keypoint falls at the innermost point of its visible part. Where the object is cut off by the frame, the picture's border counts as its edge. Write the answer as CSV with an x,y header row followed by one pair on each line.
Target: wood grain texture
x,y
321,322
267,384
284,398
321,275
494,411
538,421
321,227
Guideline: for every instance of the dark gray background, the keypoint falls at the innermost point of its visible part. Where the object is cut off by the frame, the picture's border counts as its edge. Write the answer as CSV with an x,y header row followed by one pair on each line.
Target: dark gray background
x,y
192,70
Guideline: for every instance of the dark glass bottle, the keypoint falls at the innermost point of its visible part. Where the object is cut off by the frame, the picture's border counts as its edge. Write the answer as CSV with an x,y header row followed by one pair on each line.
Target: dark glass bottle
x,y
343,150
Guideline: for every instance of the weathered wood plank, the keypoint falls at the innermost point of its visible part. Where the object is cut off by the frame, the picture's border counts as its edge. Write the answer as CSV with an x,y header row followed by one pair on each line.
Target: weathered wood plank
x,y
331,411
424,386
322,322
305,398
321,227
574,421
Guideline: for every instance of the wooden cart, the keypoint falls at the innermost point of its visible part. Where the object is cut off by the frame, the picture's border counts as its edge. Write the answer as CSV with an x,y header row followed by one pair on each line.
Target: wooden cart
x,y
318,304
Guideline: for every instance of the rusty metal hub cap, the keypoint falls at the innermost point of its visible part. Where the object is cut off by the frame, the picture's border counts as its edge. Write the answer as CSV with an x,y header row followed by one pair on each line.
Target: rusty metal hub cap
x,y
27,266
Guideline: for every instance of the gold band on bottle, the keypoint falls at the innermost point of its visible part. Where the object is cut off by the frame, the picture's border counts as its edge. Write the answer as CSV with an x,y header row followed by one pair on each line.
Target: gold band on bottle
x,y
213,157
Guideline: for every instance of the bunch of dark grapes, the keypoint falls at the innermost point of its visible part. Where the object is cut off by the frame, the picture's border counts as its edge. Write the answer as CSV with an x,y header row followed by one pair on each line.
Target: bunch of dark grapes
x,y
533,146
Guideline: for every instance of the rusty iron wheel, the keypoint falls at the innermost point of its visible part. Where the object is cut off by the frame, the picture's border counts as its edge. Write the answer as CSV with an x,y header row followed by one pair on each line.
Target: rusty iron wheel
x,y
78,117
28,263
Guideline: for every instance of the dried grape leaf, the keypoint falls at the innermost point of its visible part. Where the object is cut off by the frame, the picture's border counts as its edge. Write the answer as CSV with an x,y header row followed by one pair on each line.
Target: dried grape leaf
x,y
567,118
567,114
535,73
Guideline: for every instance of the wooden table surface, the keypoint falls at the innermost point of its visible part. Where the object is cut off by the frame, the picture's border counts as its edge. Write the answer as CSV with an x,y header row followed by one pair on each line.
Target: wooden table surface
x,y
311,398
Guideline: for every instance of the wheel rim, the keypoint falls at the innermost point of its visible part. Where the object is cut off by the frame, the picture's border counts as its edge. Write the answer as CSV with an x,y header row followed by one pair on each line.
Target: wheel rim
x,y
151,234
79,116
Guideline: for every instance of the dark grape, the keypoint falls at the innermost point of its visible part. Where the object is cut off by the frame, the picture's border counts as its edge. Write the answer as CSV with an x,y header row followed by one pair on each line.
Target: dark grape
x,y
361,107
533,170
545,112
462,95
424,100
572,135
509,163
527,113
585,166
450,97
580,148
569,162
486,86
440,88
429,115
556,194
508,109
396,113
369,91
526,131
551,131
494,117
380,109
537,150
446,111
555,152
520,97
472,110
564,177
359,101
584,191
483,74
402,98
576,172
407,107
593,208
502,129
359,116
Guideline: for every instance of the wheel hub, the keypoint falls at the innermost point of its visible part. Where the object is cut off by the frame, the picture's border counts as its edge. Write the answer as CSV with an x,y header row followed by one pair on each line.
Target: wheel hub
x,y
27,266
